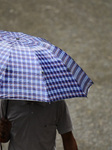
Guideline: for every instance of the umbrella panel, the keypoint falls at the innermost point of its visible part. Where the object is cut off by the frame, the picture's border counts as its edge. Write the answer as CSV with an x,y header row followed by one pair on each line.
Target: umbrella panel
x,y
60,82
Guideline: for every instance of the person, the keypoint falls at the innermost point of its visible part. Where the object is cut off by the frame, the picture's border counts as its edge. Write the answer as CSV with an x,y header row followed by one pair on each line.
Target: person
x,y
32,125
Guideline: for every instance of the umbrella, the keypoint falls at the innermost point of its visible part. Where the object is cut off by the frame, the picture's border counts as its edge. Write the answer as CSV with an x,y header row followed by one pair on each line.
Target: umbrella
x,y
31,68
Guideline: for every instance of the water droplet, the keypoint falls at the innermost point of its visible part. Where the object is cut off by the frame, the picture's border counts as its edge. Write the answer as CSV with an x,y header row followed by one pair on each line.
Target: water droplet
x,y
17,38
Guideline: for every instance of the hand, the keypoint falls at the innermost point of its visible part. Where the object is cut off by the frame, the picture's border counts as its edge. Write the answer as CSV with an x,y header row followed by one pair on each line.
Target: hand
x,y
5,127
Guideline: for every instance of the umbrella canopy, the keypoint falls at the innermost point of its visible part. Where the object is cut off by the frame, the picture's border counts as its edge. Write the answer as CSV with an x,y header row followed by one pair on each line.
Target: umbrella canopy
x,y
32,68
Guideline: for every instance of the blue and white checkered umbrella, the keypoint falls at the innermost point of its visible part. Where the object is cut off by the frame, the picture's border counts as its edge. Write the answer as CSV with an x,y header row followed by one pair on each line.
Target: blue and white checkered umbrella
x,y
33,69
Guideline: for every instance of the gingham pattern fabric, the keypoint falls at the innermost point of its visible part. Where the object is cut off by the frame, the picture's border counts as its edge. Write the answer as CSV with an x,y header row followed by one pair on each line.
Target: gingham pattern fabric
x,y
33,69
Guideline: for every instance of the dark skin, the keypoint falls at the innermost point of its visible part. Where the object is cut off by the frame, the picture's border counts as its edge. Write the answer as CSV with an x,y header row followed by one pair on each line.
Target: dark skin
x,y
5,127
68,139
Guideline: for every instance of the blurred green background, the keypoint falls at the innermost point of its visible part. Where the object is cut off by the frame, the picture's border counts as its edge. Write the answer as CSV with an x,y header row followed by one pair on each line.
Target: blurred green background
x,y
82,28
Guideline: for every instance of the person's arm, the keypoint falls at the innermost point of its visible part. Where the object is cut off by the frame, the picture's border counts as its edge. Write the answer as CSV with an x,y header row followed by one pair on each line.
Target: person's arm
x,y
5,127
69,141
